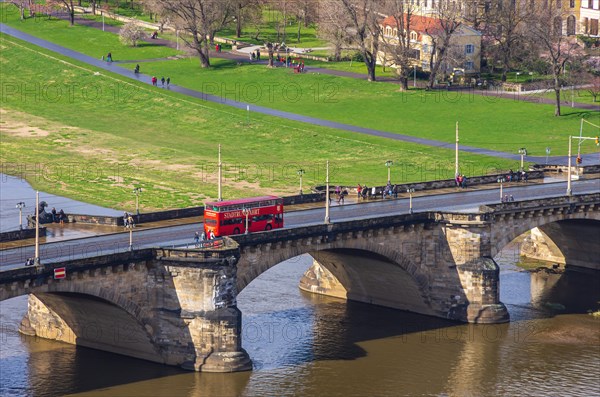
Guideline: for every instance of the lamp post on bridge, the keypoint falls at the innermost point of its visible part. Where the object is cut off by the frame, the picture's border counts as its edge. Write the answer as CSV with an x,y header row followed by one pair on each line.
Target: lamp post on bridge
x,y
389,164
246,213
523,153
20,206
581,138
501,181
300,172
410,191
137,192
36,259
130,227
327,218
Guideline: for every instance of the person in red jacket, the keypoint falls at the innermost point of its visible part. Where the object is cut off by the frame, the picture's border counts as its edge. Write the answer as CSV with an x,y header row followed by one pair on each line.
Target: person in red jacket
x,y
154,80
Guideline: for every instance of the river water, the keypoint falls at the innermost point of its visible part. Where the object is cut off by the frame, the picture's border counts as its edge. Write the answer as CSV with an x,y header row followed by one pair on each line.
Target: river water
x,y
309,345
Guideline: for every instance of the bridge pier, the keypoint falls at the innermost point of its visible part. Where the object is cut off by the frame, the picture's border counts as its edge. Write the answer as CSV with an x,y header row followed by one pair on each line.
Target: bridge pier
x,y
175,307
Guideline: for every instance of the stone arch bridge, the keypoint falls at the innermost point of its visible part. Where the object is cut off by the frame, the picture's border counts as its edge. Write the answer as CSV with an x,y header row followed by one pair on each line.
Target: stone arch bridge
x,y
178,306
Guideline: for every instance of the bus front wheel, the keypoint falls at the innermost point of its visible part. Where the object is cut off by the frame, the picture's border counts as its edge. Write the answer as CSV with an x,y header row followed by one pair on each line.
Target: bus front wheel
x,y
236,231
269,227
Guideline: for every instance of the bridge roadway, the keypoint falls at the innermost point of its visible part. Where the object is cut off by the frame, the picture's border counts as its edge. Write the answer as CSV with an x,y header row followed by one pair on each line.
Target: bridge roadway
x,y
176,235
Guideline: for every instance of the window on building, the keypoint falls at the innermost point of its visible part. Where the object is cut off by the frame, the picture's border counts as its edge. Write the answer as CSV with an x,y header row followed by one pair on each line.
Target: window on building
x,y
593,27
426,48
469,65
558,25
590,4
571,25
586,25
425,65
413,36
558,3
572,3
469,49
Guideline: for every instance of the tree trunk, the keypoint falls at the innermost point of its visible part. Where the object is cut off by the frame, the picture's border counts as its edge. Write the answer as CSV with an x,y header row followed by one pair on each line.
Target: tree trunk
x,y
238,22
270,51
370,62
94,7
557,92
503,78
404,83
72,16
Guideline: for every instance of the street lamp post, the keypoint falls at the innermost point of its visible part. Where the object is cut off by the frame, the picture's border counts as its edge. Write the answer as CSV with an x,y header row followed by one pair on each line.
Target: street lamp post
x,y
517,77
501,181
547,153
410,191
327,218
220,165
300,172
103,21
130,227
389,164
569,190
246,213
137,192
415,75
456,154
523,153
36,260
20,206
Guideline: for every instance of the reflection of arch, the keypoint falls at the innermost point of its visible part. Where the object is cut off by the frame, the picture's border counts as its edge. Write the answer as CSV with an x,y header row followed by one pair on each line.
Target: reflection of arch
x,y
570,25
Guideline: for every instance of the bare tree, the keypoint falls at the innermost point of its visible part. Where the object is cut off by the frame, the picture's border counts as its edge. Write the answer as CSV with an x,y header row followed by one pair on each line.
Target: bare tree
x,y
547,37
505,24
364,28
198,18
440,31
333,26
68,4
398,46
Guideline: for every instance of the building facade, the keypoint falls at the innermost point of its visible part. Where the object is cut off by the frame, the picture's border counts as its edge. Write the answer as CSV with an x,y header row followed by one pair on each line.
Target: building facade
x,y
464,54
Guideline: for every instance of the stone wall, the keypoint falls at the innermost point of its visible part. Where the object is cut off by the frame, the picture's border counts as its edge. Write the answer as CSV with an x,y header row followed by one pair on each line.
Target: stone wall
x,y
21,234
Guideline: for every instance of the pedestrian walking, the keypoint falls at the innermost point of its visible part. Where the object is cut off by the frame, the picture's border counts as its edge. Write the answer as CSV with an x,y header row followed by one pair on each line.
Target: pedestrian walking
x,y
258,55
168,82
197,237
162,81
154,80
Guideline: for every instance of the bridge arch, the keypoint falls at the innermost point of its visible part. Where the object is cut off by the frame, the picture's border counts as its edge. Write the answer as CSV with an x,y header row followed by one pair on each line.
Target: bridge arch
x,y
575,234
365,268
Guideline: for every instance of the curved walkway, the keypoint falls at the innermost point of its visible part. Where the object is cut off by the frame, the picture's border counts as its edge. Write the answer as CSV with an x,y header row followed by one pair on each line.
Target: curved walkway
x,y
112,67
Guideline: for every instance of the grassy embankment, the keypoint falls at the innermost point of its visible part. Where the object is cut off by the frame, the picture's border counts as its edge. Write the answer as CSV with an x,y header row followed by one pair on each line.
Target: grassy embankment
x,y
79,132
487,122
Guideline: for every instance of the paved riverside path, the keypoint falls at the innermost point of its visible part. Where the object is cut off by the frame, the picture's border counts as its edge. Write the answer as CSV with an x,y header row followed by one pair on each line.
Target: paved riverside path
x,y
114,68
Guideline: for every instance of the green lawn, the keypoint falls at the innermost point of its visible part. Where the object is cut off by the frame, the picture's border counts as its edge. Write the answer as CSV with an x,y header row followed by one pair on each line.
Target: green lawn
x,y
268,31
487,122
87,40
93,136
569,96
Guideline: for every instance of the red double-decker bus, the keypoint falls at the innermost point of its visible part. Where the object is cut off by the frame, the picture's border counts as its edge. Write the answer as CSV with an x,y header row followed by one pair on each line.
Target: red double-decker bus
x,y
229,217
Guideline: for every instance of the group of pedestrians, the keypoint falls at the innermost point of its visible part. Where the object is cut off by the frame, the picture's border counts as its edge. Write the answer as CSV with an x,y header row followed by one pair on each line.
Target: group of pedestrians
x,y
163,81
461,181
508,198
128,220
58,217
253,55
201,237
517,176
